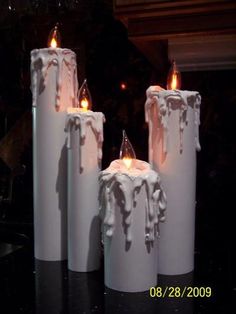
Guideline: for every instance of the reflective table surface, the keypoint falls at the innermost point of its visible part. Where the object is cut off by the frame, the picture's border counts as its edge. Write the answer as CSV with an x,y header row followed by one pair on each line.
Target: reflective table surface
x,y
31,286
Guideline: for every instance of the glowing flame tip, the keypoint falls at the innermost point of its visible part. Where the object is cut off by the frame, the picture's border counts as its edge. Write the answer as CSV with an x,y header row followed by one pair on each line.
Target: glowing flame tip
x,y
127,153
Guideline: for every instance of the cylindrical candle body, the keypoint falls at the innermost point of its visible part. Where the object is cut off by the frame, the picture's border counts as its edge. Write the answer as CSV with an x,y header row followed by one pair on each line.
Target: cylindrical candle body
x,y
85,139
173,118
54,86
132,203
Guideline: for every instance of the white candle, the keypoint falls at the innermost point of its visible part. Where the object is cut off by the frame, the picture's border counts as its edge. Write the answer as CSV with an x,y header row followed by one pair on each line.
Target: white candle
x,y
132,203
173,119
84,157
54,86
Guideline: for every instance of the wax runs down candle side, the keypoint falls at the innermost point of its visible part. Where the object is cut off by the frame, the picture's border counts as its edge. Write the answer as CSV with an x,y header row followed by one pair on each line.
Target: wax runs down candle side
x,y
81,120
127,184
54,88
167,101
173,119
43,59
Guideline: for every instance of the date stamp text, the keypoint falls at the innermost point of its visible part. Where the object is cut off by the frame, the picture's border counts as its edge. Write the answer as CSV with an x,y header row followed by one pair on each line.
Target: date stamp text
x,y
180,292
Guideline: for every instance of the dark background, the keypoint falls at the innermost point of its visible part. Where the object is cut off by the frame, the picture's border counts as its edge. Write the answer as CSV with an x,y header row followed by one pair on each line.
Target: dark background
x,y
107,59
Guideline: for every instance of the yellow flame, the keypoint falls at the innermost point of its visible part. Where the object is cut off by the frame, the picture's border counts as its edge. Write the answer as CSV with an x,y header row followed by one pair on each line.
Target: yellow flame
x,y
84,104
53,43
174,81
127,162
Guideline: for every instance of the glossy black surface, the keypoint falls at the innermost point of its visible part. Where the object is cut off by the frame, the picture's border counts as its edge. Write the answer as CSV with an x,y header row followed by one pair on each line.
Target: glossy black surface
x,y
32,286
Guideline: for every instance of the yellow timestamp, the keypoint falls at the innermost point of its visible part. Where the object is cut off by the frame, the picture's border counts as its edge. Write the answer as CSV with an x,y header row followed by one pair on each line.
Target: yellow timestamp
x,y
180,292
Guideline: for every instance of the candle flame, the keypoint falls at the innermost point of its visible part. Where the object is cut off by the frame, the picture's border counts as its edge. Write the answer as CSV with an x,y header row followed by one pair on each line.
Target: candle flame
x,y
84,104
174,77
54,38
127,162
53,43
127,154
84,97
174,81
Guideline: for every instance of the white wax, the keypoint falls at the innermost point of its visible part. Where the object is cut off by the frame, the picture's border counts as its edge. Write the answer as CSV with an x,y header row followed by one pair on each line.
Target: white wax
x,y
85,138
132,203
173,118
54,86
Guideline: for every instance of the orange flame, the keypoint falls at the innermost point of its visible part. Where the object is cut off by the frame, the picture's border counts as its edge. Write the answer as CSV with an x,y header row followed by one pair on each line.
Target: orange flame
x,y
54,38
84,103
127,162
84,97
174,77
127,153
174,81
53,43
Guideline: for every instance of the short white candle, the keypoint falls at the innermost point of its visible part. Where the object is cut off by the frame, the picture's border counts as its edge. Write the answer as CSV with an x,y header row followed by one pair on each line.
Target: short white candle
x,y
85,138
173,119
132,203
54,87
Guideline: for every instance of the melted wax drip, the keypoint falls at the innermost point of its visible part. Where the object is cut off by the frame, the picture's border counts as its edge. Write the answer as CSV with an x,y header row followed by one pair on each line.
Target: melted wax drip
x,y
83,120
166,102
113,183
42,60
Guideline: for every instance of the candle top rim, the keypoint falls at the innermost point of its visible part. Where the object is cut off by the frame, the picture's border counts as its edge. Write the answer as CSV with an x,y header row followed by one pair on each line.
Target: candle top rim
x,y
139,168
74,111
156,89
50,50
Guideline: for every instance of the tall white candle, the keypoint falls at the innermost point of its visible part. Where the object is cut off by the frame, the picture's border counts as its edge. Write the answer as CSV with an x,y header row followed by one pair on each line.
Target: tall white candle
x,y
85,129
54,87
132,203
173,119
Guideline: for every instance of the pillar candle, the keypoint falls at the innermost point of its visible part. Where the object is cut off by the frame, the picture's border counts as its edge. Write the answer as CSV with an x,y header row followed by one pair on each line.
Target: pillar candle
x,y
54,87
85,130
132,203
173,119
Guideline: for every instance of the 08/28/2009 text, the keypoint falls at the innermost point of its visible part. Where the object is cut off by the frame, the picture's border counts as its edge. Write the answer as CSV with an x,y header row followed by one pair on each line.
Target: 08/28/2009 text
x,y
180,292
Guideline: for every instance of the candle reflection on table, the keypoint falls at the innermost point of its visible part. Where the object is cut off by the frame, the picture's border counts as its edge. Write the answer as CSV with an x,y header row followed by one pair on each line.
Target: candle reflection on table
x,y
50,287
183,305
61,291
127,302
